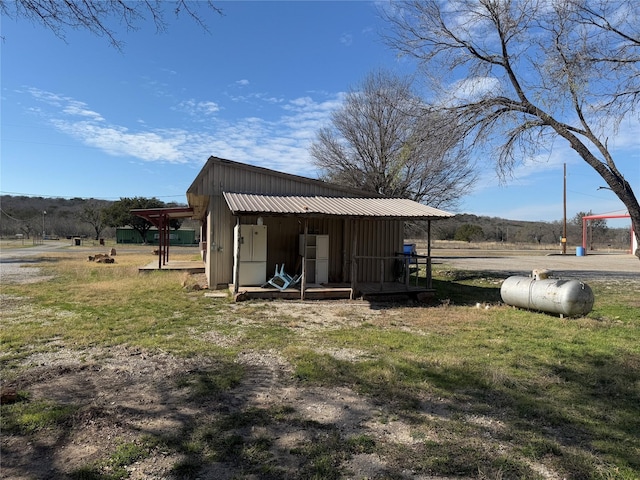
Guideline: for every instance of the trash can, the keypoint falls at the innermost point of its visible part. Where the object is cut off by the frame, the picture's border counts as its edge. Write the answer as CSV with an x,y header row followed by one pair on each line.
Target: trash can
x,y
76,241
579,251
409,248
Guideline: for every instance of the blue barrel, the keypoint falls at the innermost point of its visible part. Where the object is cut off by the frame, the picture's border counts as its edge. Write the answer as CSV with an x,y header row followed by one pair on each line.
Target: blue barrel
x,y
579,251
409,248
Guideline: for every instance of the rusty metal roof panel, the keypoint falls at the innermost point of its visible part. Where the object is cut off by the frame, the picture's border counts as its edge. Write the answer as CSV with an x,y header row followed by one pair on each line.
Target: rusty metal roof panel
x,y
399,208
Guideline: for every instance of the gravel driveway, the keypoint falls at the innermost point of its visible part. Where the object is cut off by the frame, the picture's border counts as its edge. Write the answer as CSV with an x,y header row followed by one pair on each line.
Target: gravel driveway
x,y
14,260
588,268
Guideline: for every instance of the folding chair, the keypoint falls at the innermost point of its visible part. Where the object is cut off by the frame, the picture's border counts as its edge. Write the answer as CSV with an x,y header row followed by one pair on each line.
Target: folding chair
x,y
282,280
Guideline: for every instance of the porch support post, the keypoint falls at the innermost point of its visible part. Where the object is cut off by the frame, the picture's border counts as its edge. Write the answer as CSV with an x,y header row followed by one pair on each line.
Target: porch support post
x,y
160,252
407,272
345,252
167,236
303,282
429,276
354,252
236,264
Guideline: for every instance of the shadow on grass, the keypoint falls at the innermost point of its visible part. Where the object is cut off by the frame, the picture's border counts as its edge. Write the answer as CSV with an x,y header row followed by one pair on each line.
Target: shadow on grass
x,y
584,425
201,422
33,260
468,288
462,416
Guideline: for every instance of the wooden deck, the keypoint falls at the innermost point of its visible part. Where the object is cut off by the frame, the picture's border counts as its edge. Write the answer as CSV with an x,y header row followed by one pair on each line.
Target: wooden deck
x,y
183,266
389,291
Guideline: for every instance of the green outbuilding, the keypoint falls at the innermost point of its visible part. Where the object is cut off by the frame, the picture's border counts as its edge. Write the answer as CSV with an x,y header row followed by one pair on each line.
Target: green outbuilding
x,y
176,237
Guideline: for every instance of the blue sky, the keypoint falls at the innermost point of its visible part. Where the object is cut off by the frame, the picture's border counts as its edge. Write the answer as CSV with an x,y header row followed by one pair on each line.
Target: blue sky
x,y
82,119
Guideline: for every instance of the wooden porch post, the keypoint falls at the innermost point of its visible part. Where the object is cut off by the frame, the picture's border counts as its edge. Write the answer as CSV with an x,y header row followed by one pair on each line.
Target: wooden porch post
x,y
429,276
345,254
354,252
160,252
303,282
167,238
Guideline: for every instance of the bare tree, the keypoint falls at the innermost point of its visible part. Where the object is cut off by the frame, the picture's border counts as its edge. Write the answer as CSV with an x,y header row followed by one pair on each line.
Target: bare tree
x,y
97,16
519,73
379,141
94,215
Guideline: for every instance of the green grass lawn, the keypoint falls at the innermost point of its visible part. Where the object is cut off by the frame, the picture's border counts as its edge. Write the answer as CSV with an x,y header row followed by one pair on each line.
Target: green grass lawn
x,y
513,389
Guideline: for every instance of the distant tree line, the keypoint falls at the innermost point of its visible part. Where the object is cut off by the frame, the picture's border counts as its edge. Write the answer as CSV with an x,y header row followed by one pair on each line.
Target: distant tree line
x,y
94,218
475,229
31,217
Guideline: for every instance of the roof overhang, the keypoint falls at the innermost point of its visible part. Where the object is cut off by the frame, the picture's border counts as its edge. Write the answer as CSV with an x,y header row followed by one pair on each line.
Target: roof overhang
x,y
320,206
157,215
198,204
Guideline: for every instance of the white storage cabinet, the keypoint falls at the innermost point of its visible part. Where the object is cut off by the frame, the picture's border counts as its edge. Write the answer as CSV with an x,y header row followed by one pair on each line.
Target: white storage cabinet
x,y
316,257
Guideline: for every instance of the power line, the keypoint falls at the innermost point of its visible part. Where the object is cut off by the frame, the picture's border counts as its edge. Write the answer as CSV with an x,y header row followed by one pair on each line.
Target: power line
x,y
12,218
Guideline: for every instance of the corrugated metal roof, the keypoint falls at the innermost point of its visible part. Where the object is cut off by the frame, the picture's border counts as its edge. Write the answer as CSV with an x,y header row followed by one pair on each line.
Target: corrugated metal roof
x,y
398,208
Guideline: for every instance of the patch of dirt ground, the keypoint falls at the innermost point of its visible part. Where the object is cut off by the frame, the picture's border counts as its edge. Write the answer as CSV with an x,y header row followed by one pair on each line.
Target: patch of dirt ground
x,y
124,395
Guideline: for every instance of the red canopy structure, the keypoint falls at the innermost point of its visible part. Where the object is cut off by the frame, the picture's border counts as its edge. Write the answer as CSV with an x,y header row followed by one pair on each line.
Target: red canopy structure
x,y
586,218
161,219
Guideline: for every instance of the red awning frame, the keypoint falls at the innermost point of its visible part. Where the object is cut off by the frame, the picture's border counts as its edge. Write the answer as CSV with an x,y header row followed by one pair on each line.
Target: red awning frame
x,y
161,219
586,218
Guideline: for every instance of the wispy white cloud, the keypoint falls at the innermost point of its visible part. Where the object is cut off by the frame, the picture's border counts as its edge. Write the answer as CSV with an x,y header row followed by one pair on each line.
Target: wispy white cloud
x,y
194,108
346,39
281,143
469,89
255,98
79,109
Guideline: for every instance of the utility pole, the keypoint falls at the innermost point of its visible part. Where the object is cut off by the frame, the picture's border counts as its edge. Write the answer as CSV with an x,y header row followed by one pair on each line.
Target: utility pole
x,y
564,221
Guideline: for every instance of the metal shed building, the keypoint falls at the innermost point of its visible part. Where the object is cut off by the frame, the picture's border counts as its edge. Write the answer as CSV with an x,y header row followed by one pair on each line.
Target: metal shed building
x,y
364,234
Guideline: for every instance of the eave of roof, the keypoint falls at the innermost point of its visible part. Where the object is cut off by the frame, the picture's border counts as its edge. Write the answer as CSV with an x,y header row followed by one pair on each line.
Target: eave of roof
x,y
166,212
282,205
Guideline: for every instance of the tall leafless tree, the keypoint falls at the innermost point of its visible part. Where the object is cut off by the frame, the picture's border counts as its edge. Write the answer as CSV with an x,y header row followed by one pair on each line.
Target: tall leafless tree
x,y
518,73
94,214
101,16
379,141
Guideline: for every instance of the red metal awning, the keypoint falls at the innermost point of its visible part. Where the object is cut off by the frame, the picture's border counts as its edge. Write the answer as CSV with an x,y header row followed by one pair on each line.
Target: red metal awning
x,y
161,219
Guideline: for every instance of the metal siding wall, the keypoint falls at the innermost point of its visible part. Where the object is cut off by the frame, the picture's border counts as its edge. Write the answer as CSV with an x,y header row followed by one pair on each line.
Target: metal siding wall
x,y
225,223
217,177
378,238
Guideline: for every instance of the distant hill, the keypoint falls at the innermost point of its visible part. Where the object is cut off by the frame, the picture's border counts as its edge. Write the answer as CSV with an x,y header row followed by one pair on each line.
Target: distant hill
x,y
25,215
474,228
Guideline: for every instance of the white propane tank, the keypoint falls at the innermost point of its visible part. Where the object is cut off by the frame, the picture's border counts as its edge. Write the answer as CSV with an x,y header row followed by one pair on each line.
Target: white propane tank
x,y
565,297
